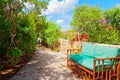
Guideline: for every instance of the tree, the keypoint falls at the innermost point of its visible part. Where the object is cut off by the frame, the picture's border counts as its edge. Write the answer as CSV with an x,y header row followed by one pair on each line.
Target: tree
x,y
18,29
11,9
11,22
40,20
85,18
40,24
51,34
101,28
113,15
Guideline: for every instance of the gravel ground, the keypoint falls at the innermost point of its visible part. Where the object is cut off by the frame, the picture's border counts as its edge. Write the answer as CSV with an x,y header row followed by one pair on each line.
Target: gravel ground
x,y
46,65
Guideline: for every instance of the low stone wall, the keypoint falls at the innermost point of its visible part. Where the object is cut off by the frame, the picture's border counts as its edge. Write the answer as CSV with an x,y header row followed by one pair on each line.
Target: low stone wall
x,y
66,44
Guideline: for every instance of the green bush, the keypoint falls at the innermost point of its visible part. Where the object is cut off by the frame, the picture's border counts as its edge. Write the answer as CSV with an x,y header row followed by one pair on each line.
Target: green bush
x,y
104,33
69,34
4,34
26,33
23,26
12,56
25,40
87,20
50,35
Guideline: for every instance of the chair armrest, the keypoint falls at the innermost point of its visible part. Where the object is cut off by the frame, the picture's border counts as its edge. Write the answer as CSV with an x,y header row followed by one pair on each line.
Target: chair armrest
x,y
113,67
114,63
73,51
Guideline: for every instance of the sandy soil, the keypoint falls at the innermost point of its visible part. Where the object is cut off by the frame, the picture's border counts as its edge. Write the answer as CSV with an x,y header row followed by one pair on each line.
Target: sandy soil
x,y
46,65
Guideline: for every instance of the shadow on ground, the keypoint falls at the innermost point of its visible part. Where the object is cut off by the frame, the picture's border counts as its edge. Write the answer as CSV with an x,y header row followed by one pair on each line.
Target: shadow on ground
x,y
45,65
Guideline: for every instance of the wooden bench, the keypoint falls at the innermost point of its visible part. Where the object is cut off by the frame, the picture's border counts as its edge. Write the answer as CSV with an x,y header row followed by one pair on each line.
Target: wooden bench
x,y
95,62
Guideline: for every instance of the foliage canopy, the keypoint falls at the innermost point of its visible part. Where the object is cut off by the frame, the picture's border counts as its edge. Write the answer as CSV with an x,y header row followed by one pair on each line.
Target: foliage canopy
x,y
51,34
84,17
19,29
100,26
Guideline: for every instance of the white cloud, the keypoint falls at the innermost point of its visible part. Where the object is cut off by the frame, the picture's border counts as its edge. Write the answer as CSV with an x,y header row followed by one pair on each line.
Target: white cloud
x,y
59,21
28,6
60,7
118,5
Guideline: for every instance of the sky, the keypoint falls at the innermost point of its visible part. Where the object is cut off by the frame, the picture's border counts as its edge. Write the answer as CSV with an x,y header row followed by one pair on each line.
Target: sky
x,y
61,11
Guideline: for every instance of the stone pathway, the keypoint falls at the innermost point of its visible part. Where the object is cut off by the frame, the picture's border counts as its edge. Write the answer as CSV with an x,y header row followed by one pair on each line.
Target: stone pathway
x,y
46,65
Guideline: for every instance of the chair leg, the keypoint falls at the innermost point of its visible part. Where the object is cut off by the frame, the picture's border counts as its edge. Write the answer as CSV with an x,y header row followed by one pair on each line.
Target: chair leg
x,y
118,76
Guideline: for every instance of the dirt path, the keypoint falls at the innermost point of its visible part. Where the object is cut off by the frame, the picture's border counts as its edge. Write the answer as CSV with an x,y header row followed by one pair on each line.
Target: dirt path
x,y
45,65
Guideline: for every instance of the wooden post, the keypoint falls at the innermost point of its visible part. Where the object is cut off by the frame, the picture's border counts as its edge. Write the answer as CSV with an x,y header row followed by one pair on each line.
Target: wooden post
x,y
94,69
67,58
102,69
118,70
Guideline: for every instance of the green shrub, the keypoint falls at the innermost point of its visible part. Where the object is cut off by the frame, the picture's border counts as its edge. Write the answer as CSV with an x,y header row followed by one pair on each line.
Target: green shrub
x,y
69,34
104,33
4,35
26,33
12,56
50,35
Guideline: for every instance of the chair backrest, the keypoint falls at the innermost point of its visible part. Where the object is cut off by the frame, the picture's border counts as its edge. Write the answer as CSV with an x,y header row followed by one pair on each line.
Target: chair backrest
x,y
106,51
88,49
99,51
